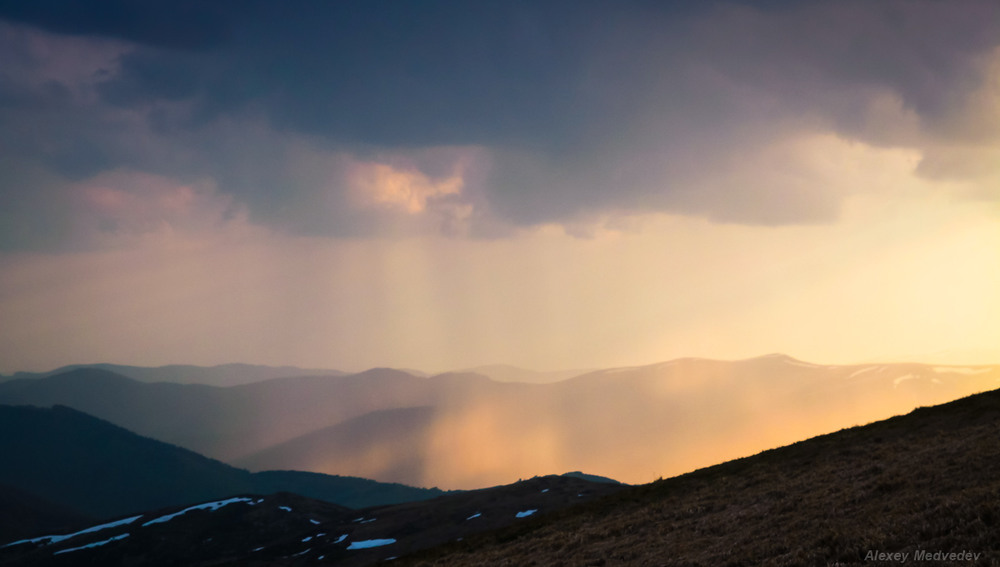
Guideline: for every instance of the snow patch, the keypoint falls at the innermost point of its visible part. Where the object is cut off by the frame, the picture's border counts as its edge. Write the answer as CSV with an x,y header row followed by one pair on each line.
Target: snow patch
x,y
314,522
341,538
862,371
57,538
545,490
525,514
213,506
794,362
370,543
903,378
960,370
301,553
285,508
307,538
91,545
474,516
256,550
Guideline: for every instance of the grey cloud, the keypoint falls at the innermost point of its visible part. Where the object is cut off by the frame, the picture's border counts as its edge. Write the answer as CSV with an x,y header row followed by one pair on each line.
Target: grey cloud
x,y
583,108
179,24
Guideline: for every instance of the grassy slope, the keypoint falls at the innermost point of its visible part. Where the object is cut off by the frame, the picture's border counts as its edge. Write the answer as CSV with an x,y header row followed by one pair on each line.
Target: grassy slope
x,y
924,481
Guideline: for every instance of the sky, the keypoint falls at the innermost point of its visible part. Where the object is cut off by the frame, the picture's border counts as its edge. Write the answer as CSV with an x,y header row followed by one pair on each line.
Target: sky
x,y
550,184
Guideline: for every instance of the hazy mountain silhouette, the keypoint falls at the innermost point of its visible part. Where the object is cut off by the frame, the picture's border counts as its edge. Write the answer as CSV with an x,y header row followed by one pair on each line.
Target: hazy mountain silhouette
x,y
223,423
632,424
99,469
390,442
221,375
508,373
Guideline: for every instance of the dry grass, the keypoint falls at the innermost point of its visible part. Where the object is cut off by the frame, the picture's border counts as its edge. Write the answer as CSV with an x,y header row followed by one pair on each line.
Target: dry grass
x,y
925,481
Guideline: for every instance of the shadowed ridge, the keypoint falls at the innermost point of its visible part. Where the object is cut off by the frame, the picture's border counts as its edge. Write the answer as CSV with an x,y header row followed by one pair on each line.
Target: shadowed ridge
x,y
102,470
385,444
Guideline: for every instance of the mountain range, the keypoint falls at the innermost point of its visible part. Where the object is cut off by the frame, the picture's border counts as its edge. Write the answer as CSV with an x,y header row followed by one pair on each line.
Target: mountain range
x,y
466,430
221,375
919,487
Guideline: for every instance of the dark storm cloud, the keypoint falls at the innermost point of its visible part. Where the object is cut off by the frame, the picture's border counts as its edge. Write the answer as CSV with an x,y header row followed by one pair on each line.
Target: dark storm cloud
x,y
425,73
176,24
582,108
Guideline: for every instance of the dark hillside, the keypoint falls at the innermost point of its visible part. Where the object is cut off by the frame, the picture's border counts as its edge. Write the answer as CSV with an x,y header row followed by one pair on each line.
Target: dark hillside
x,y
287,529
23,514
925,482
99,469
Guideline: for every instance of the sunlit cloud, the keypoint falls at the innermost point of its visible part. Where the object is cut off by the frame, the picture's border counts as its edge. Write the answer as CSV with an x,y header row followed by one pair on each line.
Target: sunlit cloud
x,y
378,184
122,207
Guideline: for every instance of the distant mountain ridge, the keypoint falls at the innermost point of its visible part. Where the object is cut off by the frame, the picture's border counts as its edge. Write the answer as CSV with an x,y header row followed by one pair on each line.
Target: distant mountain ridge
x,y
509,373
221,375
632,424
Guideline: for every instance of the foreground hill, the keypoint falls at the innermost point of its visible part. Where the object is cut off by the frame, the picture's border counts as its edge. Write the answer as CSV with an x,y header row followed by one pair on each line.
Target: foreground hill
x,y
923,486
96,468
464,430
23,514
286,529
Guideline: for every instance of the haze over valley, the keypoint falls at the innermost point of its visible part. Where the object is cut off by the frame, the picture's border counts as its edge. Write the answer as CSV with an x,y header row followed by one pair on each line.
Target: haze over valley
x,y
466,430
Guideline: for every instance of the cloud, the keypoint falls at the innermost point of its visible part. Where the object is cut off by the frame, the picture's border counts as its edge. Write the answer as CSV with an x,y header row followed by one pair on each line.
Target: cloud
x,y
182,24
573,112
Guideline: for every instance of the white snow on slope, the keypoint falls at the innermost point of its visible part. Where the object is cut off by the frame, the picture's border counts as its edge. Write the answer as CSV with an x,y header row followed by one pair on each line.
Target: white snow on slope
x,y
862,371
474,516
370,543
960,370
90,545
525,514
800,363
57,538
213,506
285,508
903,378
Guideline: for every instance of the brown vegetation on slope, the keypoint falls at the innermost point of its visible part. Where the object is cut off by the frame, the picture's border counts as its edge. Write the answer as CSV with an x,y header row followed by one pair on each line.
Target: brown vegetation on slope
x,y
925,482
